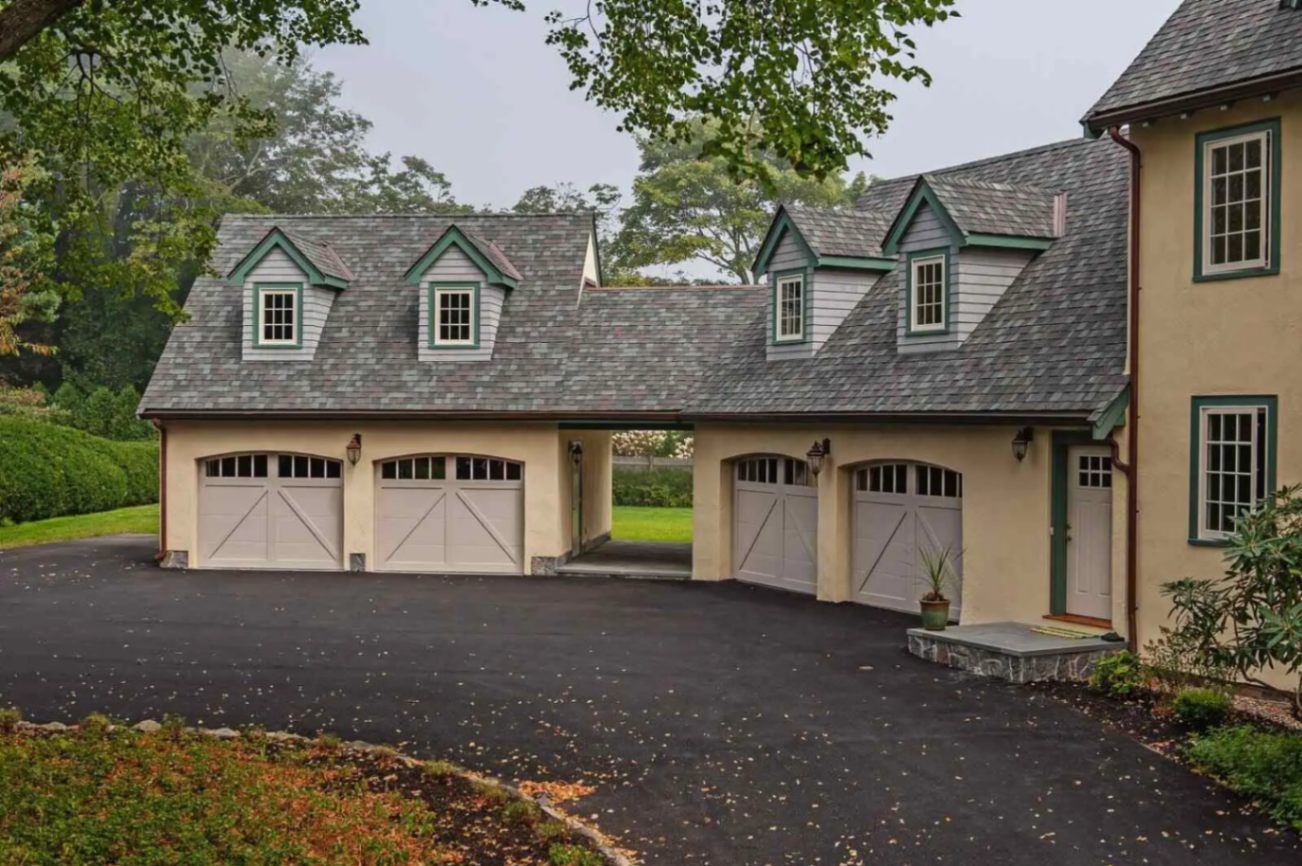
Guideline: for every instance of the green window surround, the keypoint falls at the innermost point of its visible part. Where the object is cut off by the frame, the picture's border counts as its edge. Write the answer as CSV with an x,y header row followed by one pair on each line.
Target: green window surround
x,y
783,282
453,311
275,318
1237,174
1232,452
924,306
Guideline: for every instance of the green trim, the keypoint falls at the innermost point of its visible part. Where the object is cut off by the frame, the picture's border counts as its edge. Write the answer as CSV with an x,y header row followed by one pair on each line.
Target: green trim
x,y
1008,242
774,279
1062,442
922,194
1112,416
276,239
257,315
431,336
782,223
455,237
1196,405
1276,167
857,263
908,293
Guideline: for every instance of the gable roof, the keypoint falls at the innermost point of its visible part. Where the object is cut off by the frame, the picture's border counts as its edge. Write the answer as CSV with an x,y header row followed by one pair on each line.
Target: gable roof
x,y
1208,51
486,255
980,213
831,237
317,260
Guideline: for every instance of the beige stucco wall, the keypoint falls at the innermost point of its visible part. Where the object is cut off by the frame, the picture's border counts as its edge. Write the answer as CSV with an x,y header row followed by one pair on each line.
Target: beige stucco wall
x,y
1226,337
535,445
1006,507
596,483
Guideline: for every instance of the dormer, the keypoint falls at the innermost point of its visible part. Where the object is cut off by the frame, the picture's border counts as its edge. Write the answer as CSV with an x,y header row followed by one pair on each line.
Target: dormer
x,y
819,263
289,282
962,243
463,281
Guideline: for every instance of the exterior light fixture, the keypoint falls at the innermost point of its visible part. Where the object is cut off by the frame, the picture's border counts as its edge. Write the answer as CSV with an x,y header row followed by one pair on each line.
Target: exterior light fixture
x,y
355,449
817,454
1021,442
576,452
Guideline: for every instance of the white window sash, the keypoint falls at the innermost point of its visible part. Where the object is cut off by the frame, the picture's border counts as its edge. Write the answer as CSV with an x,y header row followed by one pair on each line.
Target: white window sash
x,y
263,323
1204,438
440,293
914,305
1209,148
782,333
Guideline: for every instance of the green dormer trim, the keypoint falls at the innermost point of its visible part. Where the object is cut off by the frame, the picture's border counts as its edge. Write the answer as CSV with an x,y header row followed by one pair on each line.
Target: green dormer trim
x,y
278,240
783,223
455,237
1112,416
923,194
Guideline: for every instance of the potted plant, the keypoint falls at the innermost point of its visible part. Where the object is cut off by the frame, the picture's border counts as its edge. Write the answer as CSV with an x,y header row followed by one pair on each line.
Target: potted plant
x,y
938,566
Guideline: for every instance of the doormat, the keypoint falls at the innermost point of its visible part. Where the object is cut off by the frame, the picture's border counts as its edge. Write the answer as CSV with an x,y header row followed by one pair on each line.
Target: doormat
x,y
1055,631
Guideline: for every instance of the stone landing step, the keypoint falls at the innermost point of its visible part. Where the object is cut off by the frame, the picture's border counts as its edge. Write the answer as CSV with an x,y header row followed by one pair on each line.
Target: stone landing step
x,y
1011,651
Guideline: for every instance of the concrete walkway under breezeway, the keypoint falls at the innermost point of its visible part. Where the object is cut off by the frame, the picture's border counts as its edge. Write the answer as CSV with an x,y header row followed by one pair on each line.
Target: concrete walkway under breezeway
x,y
654,560
719,723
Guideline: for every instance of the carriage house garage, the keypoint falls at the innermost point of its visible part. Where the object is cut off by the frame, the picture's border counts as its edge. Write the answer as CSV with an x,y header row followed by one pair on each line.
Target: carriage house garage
x,y
435,394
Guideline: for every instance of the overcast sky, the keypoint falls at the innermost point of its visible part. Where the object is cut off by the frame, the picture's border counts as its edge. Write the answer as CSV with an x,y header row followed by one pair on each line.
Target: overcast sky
x,y
478,94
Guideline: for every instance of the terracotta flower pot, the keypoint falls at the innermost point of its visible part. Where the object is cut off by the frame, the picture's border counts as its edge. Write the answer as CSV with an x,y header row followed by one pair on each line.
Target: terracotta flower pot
x,y
935,614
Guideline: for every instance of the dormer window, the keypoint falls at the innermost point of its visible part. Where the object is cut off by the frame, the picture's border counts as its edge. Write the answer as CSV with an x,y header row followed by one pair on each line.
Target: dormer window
x,y
454,308
929,292
279,323
789,308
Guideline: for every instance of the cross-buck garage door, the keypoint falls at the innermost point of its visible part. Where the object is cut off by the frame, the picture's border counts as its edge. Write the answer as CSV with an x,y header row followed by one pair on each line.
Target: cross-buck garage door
x,y
775,523
449,513
270,511
903,511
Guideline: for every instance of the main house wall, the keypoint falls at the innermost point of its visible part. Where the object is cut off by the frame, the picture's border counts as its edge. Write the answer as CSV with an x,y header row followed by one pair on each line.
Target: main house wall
x,y
1224,337
1006,507
535,445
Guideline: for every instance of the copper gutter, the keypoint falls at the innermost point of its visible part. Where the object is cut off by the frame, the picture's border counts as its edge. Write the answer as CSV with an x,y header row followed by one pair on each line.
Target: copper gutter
x,y
162,491
1128,466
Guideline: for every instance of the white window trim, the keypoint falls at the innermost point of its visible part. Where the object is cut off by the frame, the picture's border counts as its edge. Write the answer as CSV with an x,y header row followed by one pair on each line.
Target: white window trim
x,y
914,265
1206,412
260,297
436,319
1262,261
779,335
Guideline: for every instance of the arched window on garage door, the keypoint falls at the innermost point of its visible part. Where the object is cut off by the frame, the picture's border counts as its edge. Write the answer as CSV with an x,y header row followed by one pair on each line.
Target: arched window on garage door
x,y
775,523
449,513
902,511
267,510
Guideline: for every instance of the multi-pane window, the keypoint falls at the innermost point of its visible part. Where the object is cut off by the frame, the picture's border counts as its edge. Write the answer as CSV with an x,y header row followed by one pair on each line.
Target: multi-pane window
x,y
300,466
240,466
934,481
415,469
454,316
277,316
884,478
486,469
1233,464
927,306
1094,470
775,470
790,311
1236,202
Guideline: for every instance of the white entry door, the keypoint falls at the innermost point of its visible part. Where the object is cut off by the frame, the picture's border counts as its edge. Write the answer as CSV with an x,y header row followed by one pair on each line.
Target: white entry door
x,y
775,524
902,513
441,513
271,511
1089,532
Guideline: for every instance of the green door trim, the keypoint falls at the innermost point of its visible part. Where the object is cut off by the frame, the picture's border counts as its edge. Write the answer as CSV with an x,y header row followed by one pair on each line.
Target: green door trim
x,y
1063,440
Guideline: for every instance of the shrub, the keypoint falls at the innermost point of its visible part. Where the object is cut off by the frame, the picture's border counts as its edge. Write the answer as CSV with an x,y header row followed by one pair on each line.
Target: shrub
x,y
525,812
551,830
492,793
572,855
1265,766
1202,709
1119,675
9,720
102,412
47,470
661,488
440,769
1175,663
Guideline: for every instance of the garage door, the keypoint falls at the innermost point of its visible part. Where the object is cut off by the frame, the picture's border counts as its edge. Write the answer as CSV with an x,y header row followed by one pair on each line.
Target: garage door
x,y
775,523
450,513
903,511
271,511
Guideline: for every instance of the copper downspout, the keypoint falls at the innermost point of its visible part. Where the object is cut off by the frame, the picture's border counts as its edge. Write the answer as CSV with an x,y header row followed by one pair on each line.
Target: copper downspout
x,y
162,491
1128,467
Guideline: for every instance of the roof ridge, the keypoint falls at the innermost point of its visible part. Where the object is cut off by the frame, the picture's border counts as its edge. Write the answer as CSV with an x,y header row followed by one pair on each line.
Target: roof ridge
x,y
990,160
691,286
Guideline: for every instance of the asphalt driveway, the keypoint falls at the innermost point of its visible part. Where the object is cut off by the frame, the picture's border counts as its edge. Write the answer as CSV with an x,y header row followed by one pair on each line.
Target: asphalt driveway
x,y
720,724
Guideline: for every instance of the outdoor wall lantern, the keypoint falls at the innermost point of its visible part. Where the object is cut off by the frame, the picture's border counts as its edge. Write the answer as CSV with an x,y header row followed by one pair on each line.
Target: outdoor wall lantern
x,y
1021,442
817,454
355,449
576,452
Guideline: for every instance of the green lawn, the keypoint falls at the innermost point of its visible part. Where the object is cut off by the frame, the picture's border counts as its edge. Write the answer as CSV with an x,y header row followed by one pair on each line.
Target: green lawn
x,y
140,518
652,524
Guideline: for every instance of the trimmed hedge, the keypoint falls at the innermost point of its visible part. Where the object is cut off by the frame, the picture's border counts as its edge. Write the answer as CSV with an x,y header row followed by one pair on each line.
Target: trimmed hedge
x,y
47,470
657,488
